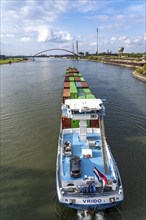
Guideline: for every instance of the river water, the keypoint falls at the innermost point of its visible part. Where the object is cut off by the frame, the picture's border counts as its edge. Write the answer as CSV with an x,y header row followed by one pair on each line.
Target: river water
x,y
31,96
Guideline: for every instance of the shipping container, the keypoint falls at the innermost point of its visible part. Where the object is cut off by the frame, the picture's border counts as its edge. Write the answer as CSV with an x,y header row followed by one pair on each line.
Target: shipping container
x,y
73,95
81,94
81,97
94,123
66,122
87,91
73,89
66,93
75,123
71,79
77,78
66,78
84,84
88,123
78,84
80,90
66,85
72,85
82,79
74,70
90,96
70,75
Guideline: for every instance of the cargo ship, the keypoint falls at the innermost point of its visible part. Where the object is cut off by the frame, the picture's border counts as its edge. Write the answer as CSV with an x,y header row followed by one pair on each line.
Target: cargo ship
x,y
87,176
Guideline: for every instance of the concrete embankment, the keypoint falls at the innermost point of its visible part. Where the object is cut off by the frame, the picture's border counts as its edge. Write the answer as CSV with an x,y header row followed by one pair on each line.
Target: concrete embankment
x,y
139,76
124,63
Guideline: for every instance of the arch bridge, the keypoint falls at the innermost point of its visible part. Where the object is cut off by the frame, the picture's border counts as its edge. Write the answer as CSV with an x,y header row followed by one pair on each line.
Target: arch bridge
x,y
77,55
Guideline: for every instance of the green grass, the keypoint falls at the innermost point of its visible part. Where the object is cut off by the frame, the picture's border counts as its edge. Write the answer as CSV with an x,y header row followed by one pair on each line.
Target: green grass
x,y
141,70
11,60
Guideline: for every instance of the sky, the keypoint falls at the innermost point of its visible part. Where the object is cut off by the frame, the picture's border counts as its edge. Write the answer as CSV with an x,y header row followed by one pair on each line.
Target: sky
x,y
31,26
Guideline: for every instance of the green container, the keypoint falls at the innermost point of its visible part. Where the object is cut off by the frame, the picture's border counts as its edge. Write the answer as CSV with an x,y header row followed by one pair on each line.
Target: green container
x,y
73,95
71,79
86,90
75,123
82,79
90,96
81,97
88,123
72,84
73,89
80,90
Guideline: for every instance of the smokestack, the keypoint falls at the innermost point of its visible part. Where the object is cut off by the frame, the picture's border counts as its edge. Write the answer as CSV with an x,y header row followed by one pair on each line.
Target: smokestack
x,y
97,41
73,47
77,46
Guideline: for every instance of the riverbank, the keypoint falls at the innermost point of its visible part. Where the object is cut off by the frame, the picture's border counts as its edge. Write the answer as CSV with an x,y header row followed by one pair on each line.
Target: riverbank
x,y
139,65
11,60
139,76
122,61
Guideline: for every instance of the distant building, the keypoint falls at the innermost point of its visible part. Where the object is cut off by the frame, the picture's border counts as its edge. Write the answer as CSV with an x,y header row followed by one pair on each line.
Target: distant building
x,y
81,53
121,50
2,57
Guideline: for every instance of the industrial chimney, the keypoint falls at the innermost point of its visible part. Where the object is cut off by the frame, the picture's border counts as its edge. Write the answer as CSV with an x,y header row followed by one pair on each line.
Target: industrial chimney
x,y
97,41
77,46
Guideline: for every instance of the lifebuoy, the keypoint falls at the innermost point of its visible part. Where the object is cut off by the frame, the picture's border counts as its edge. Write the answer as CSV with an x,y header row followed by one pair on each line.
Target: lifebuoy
x,y
88,155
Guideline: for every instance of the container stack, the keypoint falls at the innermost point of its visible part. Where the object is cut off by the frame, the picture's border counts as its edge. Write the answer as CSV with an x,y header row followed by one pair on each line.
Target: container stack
x,y
75,87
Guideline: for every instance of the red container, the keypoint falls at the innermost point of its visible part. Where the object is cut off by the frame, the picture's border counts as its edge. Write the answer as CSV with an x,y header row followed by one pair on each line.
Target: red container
x,y
84,85
69,74
75,70
77,78
66,122
66,85
94,123
66,78
66,93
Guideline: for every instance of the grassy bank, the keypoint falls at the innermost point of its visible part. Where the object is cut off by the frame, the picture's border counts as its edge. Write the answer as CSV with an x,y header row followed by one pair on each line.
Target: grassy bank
x,y
141,70
140,73
11,60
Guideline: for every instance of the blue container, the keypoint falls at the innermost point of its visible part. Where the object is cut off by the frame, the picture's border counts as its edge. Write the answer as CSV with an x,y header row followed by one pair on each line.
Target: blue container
x,y
78,84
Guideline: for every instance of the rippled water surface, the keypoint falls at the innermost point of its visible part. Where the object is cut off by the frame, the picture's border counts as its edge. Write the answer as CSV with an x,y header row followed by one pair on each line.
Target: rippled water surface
x,y
31,96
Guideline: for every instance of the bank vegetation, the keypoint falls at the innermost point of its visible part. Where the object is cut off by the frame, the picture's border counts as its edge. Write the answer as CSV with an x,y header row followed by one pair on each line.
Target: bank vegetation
x,y
11,60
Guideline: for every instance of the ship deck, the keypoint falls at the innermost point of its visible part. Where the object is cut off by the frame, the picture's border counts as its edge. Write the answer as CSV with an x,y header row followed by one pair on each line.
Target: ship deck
x,y
78,147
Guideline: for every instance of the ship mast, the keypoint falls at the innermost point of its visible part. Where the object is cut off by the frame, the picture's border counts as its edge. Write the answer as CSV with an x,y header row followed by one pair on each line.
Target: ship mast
x,y
101,125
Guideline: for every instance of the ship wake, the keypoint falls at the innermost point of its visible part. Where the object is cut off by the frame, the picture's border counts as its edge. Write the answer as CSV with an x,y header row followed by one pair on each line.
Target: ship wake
x,y
90,215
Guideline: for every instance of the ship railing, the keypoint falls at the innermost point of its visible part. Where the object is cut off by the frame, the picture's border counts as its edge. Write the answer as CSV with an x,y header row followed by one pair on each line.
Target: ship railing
x,y
77,130
110,161
100,192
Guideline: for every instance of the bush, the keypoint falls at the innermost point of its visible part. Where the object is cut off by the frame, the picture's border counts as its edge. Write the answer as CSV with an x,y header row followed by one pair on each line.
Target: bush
x,y
139,70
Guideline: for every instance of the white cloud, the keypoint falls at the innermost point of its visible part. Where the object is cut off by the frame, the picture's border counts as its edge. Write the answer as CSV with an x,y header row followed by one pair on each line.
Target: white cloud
x,y
47,34
93,43
113,38
10,35
84,6
25,39
120,17
127,41
61,36
44,34
122,38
